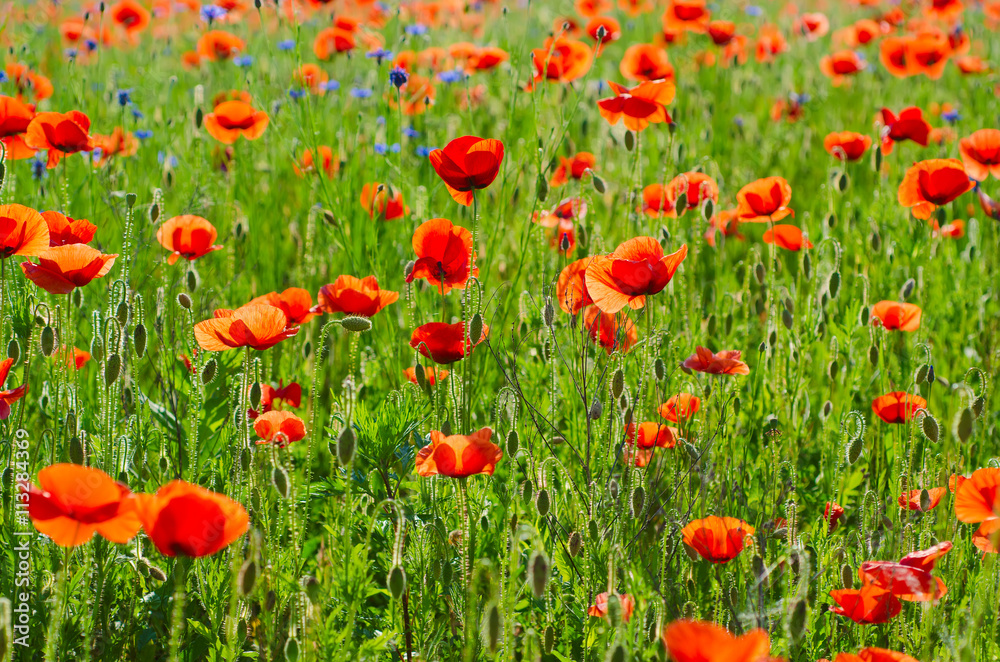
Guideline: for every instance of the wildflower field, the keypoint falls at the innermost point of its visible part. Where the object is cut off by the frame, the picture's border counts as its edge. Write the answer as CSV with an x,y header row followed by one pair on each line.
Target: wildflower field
x,y
461,330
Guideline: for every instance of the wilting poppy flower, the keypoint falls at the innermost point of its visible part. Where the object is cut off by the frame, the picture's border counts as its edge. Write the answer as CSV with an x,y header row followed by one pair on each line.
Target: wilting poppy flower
x,y
700,641
311,77
636,268
725,362
978,498
646,62
867,605
8,396
933,183
680,407
571,289
717,539
255,325
600,607
187,236
328,164
232,119
788,237
59,133
987,536
651,435
847,145
187,520
910,125
431,374
894,315
443,252
765,200
897,407
981,154
574,167
23,231
561,60
279,428
130,15
72,502
353,296
384,201
912,500
837,66
687,16
467,164
458,455
444,343
295,302
611,331
61,269
219,45
832,513
65,230
639,106
813,26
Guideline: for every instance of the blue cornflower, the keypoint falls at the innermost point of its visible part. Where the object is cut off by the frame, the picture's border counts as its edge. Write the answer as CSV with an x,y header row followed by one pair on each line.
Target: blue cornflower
x,y
70,53
286,45
243,60
379,54
330,86
416,29
398,77
91,44
136,113
425,151
951,116
381,148
38,170
452,76
799,98
3,77
380,120
410,132
753,10
360,93
143,134
125,97
296,93
211,13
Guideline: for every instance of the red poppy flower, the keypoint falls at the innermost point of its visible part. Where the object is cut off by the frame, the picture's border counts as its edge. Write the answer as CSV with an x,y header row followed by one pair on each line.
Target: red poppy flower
x,y
867,605
651,435
911,500
15,116
255,325
431,374
384,201
894,315
64,230
486,58
981,154
687,16
16,148
232,119
562,219
646,62
925,559
658,201
443,252
611,331
458,455
571,289
946,11
23,231
600,607
61,269
910,125
928,54
832,513
697,186
467,164
353,296
717,539
838,66
725,362
561,60
71,503
574,167
933,183
27,81
130,15
275,398
415,96
904,582
8,396
847,145
813,26
765,200
444,343
295,302
188,520
332,40
897,407
279,428
59,133
788,237
612,30
770,43
639,106
977,499
119,143
721,32
680,407
635,269
699,641
955,481
328,164
726,221
311,77
219,45
187,236
589,8
954,230
75,357
987,536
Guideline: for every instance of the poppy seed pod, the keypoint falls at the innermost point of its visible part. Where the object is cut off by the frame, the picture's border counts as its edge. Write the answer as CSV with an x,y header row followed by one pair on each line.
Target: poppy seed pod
x,y
184,301
538,572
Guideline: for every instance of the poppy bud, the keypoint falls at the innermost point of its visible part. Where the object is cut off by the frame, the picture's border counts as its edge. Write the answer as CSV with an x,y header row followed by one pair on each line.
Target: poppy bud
x,y
921,375
873,354
76,451
292,645
797,622
931,377
139,339
490,629
772,339
907,289
786,319
629,140
708,209
598,183
192,279
864,315
833,285
3,173
659,369
476,329
876,241
617,383
122,313
681,204
538,572
549,312
854,449
736,406
157,574
112,369
827,409
329,218
356,323
154,212
575,543
184,301
760,273
346,446
279,478
963,425
513,443
596,409
396,582
690,449
978,405
527,490
199,115
729,323
807,266
638,500
14,350
245,459
925,500
208,372
628,414
842,182
542,502
930,427
613,489
446,428
712,324
564,244
270,600
877,159
48,342
247,578
542,188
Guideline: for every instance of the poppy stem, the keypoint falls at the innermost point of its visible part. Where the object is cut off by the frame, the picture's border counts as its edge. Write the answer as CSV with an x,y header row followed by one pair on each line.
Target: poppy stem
x,y
177,615
467,551
61,598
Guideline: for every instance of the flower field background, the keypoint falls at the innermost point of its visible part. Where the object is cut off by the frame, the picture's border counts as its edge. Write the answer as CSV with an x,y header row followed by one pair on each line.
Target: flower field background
x,y
616,330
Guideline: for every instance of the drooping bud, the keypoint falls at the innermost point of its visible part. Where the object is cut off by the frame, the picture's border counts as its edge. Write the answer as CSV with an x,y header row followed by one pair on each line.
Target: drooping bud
x,y
538,572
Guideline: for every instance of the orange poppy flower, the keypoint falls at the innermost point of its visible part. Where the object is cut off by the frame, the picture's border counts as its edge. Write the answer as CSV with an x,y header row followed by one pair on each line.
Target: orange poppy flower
x,y
16,148
609,330
832,513
651,435
944,10
458,455
232,119
687,16
788,237
904,582
272,398
646,62
8,396
23,231
910,125
188,520
933,183
119,143
955,481
311,77
925,559
65,230
255,325
130,15
415,95
847,145
699,641
897,316
486,58
770,43
600,607
726,221
466,165
574,167
837,66
894,53
898,406
59,133
279,428
860,33
717,539
721,32
635,8
680,407
981,154
725,362
928,54
972,64
658,201
328,164
75,357
26,80
987,536
72,502
639,106
443,252
431,374
295,302
765,200
813,26
15,116
977,499
911,500
187,236
867,605
697,187
219,45
353,296
636,268
332,40
61,269
612,30
571,288
589,8
561,60
384,201
444,343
